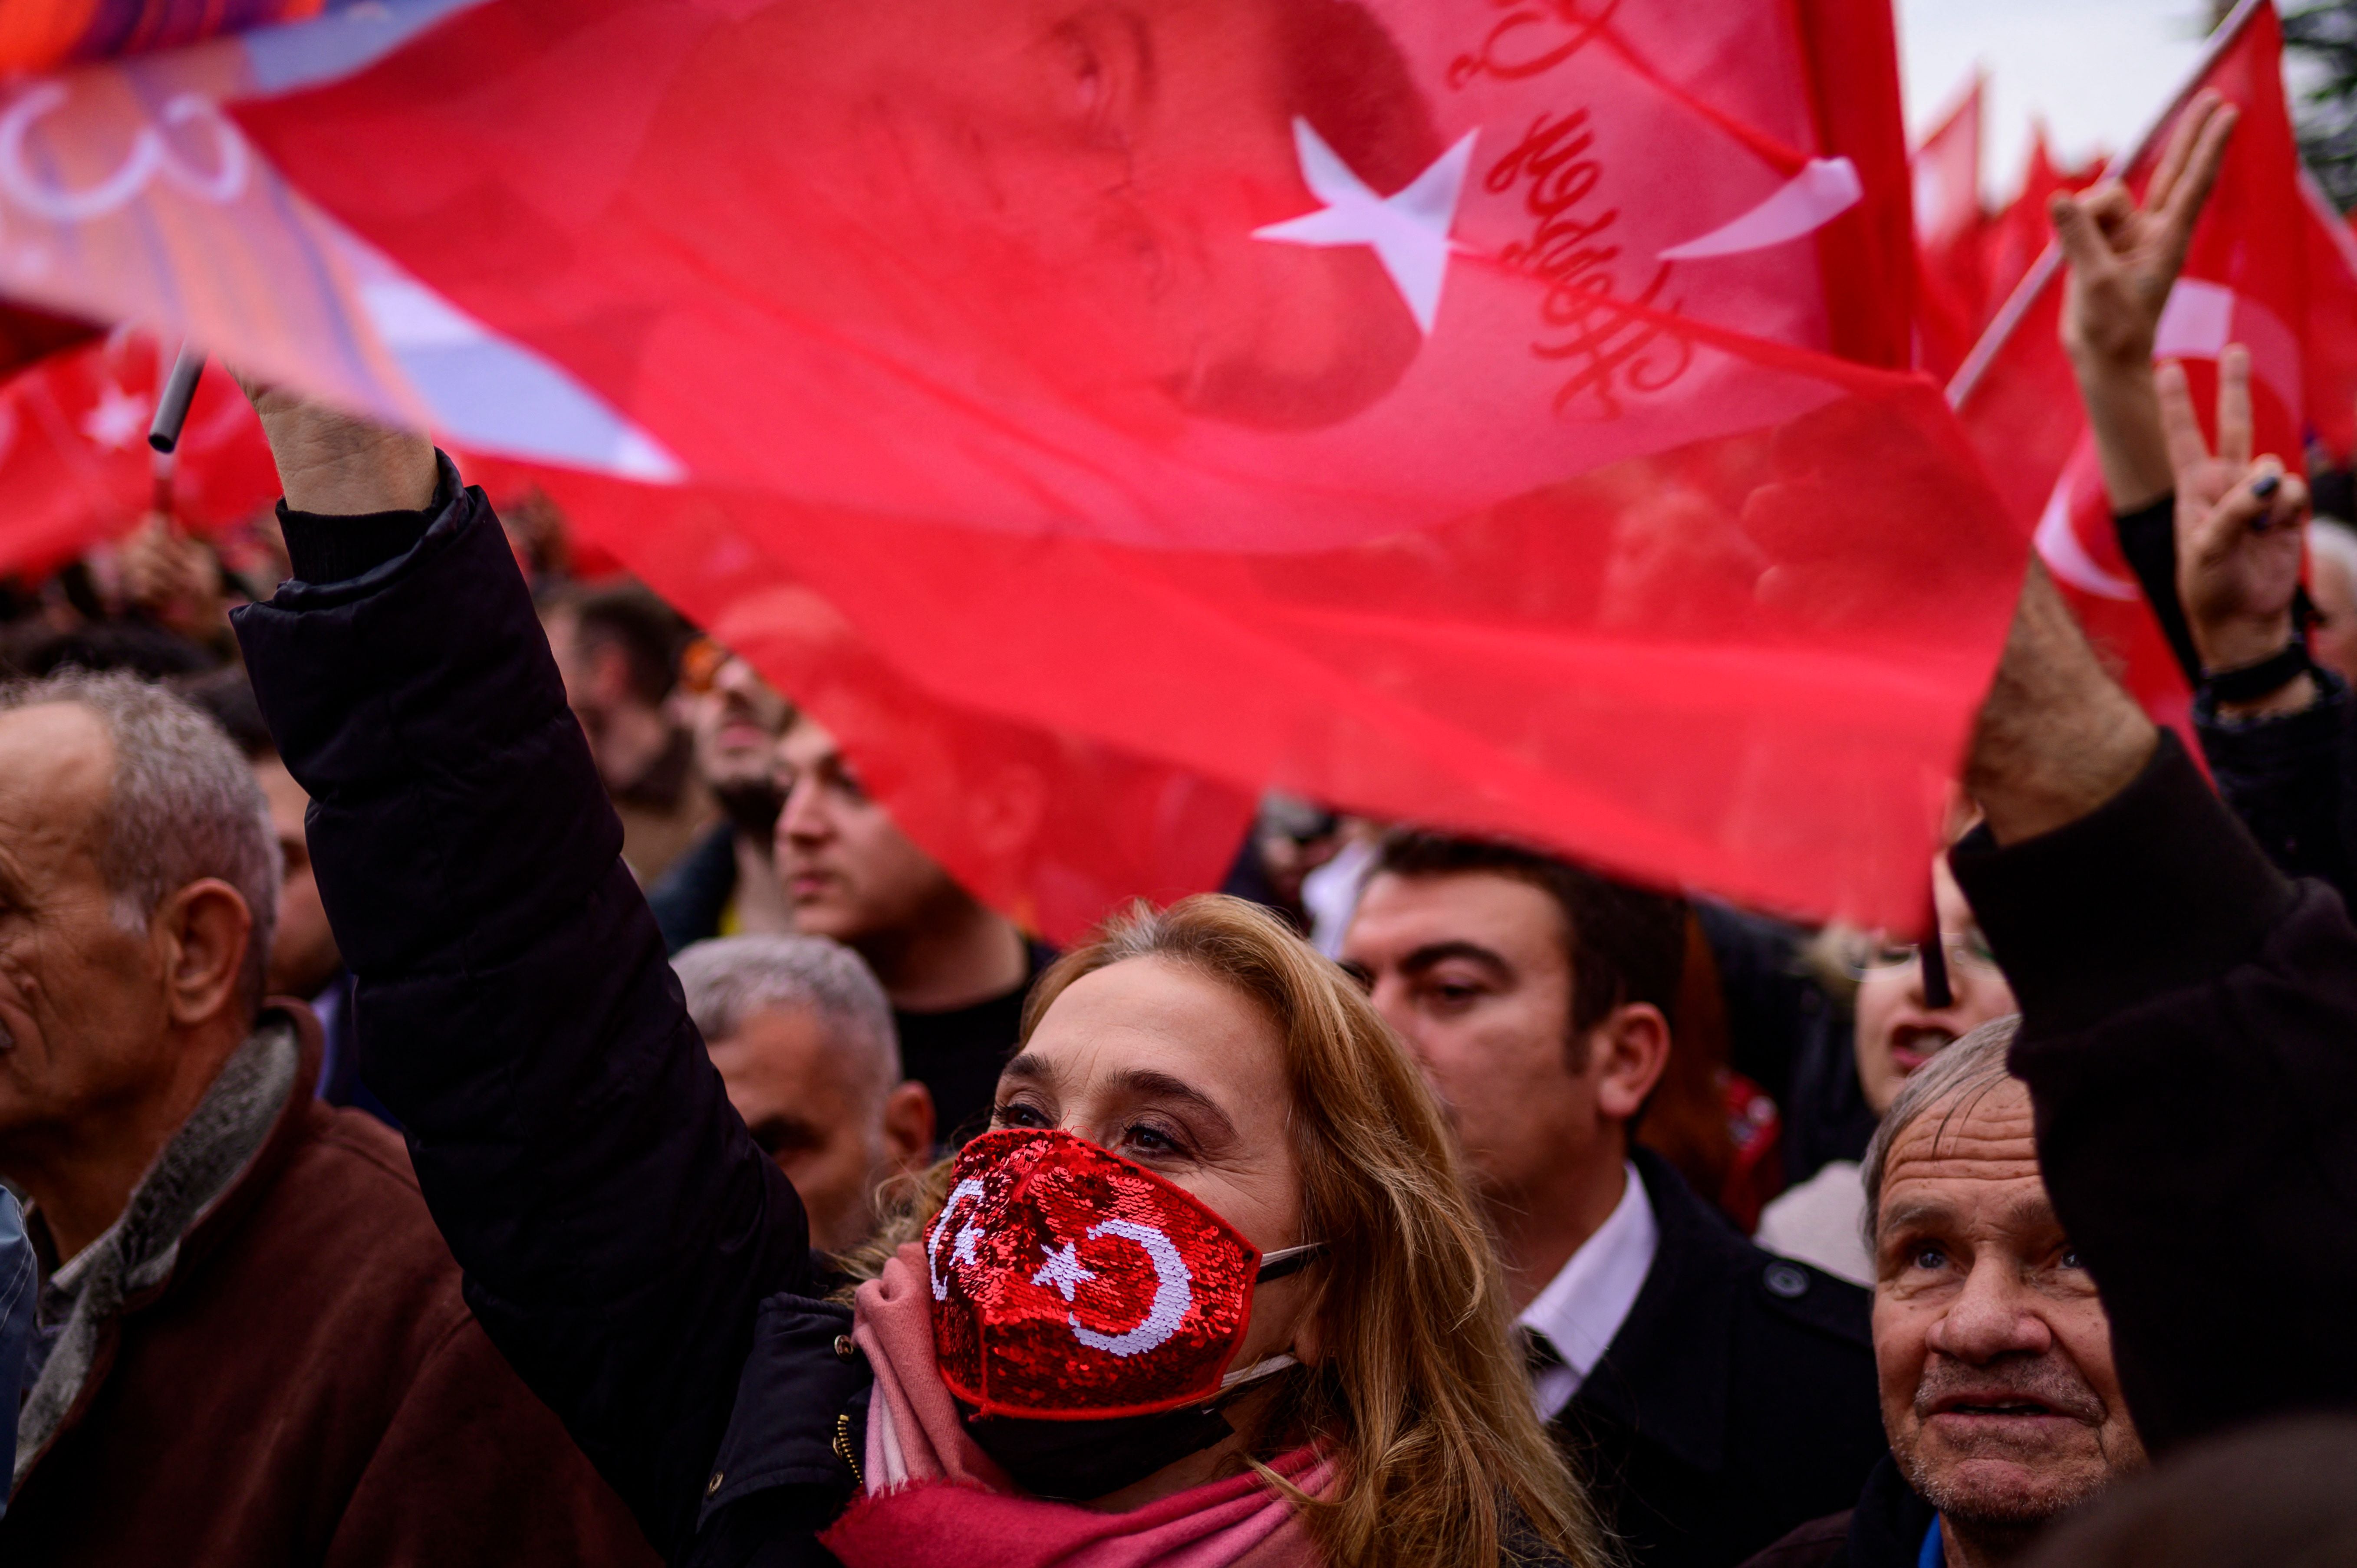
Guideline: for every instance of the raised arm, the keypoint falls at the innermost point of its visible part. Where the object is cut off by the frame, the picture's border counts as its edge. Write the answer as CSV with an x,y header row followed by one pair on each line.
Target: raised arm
x,y
2280,734
2124,261
2189,1037
617,1224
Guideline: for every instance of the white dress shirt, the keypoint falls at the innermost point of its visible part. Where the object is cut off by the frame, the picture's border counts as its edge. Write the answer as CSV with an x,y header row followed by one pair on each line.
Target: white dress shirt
x,y
1588,1300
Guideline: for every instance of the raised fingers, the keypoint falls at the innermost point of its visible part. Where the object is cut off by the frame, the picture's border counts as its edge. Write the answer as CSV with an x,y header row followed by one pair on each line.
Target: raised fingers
x,y
2188,449
2289,505
2234,406
2243,509
2180,202
2182,136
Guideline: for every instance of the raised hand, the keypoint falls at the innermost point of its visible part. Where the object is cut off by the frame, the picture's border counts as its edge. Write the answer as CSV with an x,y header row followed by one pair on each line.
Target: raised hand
x,y
174,579
334,464
2124,260
2238,523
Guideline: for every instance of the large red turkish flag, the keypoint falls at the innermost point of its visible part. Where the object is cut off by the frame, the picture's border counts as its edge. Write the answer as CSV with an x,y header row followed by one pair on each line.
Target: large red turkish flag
x,y
1482,412
2257,274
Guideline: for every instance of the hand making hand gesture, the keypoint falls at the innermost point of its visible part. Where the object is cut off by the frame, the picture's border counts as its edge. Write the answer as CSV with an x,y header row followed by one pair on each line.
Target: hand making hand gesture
x,y
2124,260
2238,529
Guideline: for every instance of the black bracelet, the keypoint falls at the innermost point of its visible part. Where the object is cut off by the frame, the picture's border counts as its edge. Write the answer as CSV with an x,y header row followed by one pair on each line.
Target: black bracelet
x,y
2266,678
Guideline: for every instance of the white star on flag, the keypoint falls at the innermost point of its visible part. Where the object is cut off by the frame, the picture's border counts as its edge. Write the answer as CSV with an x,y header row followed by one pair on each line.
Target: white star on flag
x,y
1064,1271
1409,229
118,419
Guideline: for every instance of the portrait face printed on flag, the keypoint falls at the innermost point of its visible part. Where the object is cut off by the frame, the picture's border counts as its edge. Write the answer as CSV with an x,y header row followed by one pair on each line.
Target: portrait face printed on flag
x,y
1076,186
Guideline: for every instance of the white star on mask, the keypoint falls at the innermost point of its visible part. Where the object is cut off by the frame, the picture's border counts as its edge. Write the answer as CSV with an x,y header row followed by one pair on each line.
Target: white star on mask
x,y
1408,230
962,1251
1064,1271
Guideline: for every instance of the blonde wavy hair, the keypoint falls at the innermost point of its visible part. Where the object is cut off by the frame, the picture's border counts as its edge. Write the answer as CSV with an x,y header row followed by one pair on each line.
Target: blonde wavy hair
x,y
1421,1397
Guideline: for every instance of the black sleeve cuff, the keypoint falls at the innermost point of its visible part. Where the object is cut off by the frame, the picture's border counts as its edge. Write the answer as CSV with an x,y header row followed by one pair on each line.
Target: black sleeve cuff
x,y
321,550
2256,742
2158,888
2148,540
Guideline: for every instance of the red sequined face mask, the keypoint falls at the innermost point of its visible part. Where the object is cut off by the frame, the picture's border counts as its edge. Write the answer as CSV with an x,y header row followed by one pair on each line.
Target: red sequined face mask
x,y
1072,1284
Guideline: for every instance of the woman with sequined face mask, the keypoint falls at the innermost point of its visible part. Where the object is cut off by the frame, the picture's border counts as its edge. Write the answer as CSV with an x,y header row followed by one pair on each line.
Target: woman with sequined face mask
x,y
1210,1275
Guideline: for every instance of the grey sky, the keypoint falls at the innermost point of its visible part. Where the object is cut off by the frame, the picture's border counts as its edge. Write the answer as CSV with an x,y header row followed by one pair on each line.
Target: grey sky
x,y
2096,70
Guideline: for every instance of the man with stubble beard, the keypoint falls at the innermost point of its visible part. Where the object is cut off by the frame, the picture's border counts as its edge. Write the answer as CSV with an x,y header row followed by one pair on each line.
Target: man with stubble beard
x,y
1993,1351
955,970
726,884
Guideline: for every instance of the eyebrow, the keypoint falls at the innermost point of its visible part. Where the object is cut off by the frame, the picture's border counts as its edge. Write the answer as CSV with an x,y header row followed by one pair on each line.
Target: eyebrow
x,y
772,1134
1914,1216
1925,1214
1432,953
1147,1084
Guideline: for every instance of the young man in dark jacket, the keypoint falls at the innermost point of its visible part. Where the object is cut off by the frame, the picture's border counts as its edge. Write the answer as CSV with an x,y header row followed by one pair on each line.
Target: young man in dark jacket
x,y
1715,1395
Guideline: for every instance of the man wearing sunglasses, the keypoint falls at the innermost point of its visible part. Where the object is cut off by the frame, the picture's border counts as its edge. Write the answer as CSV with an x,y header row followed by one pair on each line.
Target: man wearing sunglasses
x,y
726,884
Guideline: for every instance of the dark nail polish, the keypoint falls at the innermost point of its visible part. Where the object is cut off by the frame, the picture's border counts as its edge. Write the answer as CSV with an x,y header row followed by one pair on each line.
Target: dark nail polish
x,y
2267,485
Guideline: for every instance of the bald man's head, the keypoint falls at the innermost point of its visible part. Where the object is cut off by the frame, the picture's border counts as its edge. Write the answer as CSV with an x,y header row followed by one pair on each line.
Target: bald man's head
x,y
804,1039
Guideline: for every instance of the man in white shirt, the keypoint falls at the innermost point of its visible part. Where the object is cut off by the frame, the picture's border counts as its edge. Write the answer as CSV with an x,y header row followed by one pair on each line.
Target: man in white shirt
x,y
1716,1396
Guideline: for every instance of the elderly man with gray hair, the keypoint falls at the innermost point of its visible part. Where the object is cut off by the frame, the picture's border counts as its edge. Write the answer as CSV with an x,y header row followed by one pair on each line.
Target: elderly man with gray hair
x,y
249,1346
1993,1350
803,1038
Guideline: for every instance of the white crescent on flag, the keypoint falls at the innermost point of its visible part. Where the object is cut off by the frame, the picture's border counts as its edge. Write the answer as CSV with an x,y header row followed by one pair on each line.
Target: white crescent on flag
x,y
1821,192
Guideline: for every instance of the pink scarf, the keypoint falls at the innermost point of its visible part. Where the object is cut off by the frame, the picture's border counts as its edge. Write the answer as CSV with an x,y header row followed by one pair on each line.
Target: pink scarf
x,y
935,1497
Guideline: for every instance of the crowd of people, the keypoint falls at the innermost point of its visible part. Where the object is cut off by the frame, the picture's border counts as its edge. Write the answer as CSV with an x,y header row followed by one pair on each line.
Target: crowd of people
x,y
488,1085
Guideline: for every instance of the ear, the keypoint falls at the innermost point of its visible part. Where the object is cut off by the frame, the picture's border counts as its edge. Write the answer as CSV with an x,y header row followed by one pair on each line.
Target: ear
x,y
1628,1053
909,1127
202,932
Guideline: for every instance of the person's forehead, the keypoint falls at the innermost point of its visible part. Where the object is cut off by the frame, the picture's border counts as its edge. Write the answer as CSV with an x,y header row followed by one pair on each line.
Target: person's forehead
x,y
1398,915
806,742
1966,1152
1152,1016
56,764
789,1045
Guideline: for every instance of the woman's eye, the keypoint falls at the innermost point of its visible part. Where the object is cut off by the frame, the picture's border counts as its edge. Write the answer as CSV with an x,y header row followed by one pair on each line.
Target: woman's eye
x,y
1151,1139
1928,1257
1015,1113
2071,1259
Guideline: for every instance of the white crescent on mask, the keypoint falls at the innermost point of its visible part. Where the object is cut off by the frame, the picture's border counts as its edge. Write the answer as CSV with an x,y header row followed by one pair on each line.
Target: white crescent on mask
x,y
1173,1294
963,1252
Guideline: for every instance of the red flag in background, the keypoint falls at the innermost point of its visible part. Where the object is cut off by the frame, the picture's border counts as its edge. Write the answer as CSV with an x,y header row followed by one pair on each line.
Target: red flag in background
x,y
75,468
27,336
1483,414
1950,234
2016,238
2246,279
2328,342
